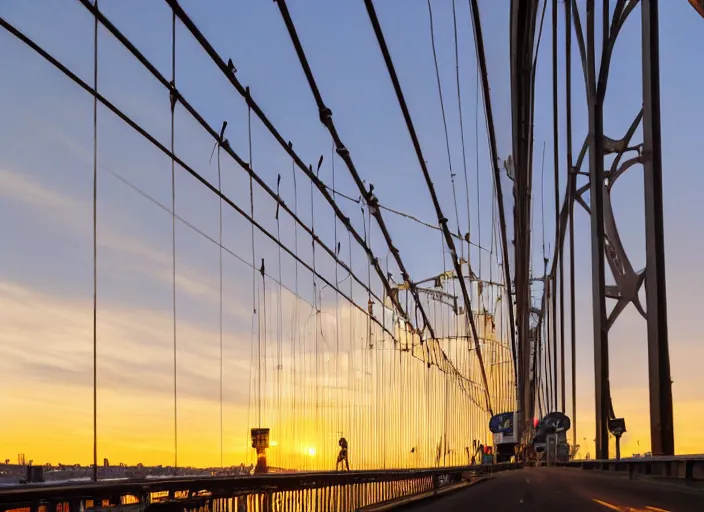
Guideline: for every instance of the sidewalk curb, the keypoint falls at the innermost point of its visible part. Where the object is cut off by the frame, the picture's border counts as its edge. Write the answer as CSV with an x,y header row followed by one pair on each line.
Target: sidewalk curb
x,y
418,498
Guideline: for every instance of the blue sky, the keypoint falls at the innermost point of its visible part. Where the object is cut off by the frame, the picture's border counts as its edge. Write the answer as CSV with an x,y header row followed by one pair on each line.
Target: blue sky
x,y
46,177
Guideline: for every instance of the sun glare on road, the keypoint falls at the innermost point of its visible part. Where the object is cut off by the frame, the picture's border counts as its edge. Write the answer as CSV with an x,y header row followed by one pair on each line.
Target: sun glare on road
x,y
628,509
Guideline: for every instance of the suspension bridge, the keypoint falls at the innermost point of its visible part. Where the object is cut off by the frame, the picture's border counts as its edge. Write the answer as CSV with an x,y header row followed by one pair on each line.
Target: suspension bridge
x,y
294,257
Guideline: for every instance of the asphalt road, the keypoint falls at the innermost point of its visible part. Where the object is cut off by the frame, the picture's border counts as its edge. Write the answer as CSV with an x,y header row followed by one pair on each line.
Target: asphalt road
x,y
573,490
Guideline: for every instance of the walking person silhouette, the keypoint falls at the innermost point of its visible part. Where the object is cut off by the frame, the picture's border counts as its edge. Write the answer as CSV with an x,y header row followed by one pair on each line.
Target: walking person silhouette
x,y
342,456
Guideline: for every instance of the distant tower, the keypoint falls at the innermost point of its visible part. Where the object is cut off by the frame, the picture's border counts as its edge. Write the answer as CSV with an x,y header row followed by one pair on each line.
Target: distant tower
x,y
106,463
20,459
260,442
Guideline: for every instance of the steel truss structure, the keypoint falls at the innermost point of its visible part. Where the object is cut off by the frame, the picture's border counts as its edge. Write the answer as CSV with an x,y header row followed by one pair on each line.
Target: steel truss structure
x,y
608,159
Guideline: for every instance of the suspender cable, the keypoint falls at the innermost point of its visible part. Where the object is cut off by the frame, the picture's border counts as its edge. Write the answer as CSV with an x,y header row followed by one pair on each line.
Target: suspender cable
x,y
173,228
444,118
545,306
459,107
571,177
556,166
538,379
279,322
261,334
95,249
549,332
370,342
542,205
338,418
255,318
476,171
571,192
441,218
351,359
558,244
295,319
167,209
222,132
317,308
481,58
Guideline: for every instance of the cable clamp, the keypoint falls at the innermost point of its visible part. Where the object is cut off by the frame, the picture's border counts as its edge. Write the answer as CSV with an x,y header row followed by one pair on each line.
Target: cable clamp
x,y
173,95
343,152
325,115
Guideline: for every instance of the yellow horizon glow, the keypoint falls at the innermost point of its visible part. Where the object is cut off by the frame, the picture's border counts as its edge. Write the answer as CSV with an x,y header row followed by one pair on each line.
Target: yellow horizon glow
x,y
46,362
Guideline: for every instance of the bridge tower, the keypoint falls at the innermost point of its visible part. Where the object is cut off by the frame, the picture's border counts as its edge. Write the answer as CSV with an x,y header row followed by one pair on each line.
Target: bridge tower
x,y
608,159
606,242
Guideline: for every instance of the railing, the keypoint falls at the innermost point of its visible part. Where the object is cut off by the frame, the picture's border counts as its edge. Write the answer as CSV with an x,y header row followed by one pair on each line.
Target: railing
x,y
323,491
688,469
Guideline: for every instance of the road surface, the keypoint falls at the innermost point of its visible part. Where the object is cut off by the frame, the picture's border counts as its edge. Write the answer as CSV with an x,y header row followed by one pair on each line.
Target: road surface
x,y
572,490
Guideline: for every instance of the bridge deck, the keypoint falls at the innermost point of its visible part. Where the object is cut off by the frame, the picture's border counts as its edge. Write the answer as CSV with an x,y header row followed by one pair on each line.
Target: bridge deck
x,y
555,489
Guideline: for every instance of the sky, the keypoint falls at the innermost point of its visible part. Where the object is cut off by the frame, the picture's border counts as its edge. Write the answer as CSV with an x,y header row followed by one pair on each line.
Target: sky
x,y
46,166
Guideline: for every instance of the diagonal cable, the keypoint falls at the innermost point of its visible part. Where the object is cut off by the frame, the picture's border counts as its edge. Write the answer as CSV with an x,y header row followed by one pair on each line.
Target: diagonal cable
x,y
343,152
442,220
166,151
481,59
228,71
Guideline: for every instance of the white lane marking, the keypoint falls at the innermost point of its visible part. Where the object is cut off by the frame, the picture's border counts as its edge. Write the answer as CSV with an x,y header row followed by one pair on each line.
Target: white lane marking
x,y
527,480
656,509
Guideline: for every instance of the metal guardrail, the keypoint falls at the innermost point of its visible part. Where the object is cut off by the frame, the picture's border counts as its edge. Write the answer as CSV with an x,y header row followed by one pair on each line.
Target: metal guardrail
x,y
685,468
319,491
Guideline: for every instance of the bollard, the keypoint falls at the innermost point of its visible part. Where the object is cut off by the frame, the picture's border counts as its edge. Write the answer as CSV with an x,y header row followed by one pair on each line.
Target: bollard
x,y
689,470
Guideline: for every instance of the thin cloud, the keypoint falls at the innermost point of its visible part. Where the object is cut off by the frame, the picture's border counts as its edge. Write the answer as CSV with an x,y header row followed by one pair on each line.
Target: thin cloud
x,y
60,211
49,340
